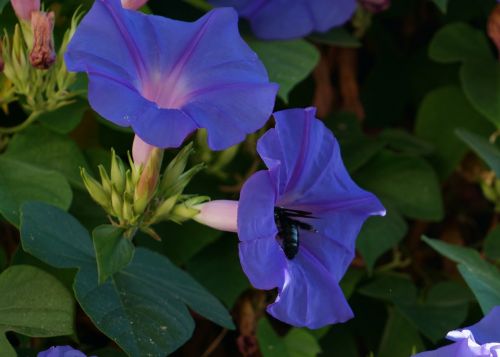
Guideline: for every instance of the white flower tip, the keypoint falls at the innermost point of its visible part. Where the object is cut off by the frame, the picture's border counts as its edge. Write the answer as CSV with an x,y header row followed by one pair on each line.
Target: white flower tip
x,y
219,214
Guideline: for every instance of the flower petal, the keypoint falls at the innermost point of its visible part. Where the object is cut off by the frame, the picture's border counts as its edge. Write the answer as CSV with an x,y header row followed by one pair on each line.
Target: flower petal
x,y
333,256
256,208
487,330
263,262
285,19
310,296
457,349
315,173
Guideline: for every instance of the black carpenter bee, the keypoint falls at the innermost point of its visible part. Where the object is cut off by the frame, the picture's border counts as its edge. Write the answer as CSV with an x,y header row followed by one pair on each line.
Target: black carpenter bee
x,y
288,228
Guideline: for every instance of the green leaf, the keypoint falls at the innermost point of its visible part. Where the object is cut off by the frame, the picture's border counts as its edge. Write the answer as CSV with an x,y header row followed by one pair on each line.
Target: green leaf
x,y
2,4
113,250
288,62
379,234
407,182
482,277
441,112
300,343
391,287
442,5
400,337
459,42
143,307
486,150
338,36
481,84
20,182
33,303
271,345
48,150
218,268
444,308
350,281
492,244
64,119
403,142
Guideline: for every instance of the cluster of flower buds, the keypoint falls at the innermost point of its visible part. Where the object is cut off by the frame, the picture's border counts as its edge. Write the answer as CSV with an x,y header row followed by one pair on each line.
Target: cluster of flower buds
x,y
30,62
138,197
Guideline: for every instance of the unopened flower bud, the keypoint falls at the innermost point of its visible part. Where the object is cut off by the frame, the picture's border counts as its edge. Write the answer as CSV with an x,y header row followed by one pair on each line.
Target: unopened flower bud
x,y
42,55
219,214
105,180
494,26
133,4
24,8
174,169
95,190
116,202
141,151
118,175
375,6
148,182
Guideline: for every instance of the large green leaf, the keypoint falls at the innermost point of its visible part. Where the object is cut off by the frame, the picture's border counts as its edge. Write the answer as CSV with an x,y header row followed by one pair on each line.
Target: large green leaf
x,y
33,303
486,150
400,337
288,62
113,250
442,5
380,234
20,182
492,244
444,307
143,307
482,277
296,343
441,112
65,119
408,182
218,268
459,42
48,150
481,84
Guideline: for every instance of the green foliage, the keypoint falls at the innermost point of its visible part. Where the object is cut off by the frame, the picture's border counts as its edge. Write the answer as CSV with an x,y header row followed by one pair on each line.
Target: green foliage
x,y
482,277
442,111
64,119
296,343
21,182
407,182
486,150
142,307
113,250
337,36
25,312
288,62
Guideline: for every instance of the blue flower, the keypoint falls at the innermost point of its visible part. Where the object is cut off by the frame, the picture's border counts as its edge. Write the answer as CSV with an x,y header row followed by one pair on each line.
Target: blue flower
x,y
166,78
61,351
286,19
481,339
298,221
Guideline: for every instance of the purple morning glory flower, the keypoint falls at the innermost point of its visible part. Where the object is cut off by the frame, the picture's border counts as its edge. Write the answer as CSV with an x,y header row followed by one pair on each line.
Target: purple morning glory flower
x,y
166,78
286,19
298,221
481,339
61,351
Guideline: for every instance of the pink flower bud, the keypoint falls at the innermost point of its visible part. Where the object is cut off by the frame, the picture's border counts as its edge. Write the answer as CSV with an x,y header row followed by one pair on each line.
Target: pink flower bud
x,y
24,8
375,6
219,214
141,151
133,4
42,54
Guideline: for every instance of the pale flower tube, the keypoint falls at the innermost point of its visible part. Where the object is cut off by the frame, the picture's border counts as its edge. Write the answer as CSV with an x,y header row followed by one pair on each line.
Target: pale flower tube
x,y
219,214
